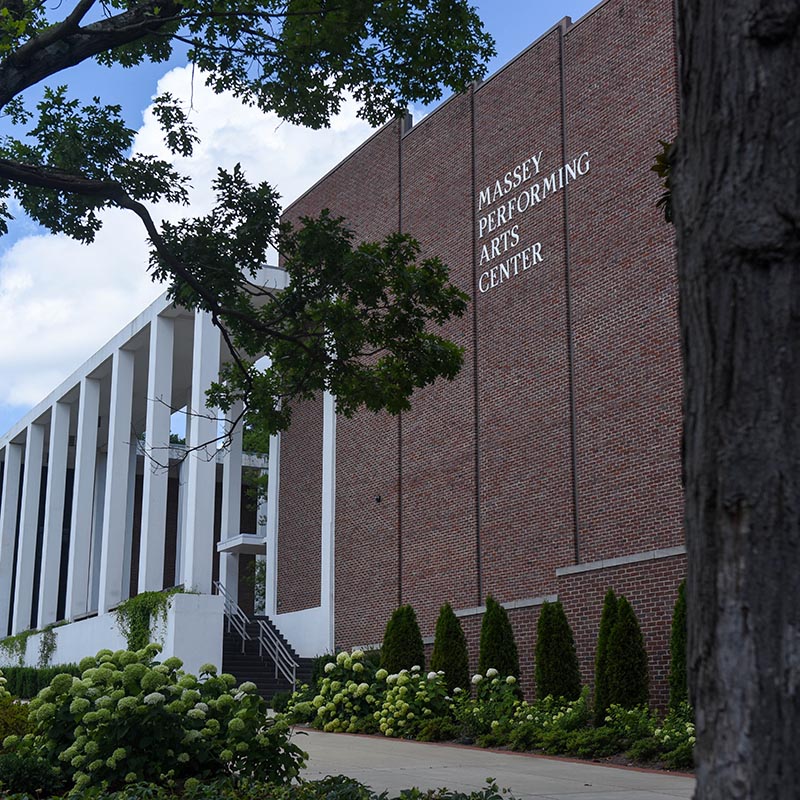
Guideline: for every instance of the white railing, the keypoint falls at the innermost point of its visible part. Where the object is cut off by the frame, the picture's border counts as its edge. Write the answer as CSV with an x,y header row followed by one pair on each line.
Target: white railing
x,y
268,639
284,663
234,616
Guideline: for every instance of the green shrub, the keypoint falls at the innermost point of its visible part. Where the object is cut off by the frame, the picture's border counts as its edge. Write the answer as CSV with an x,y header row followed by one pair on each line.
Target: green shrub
x,y
13,715
626,666
677,651
498,648
30,774
402,642
490,711
630,724
280,701
27,682
676,736
438,729
129,718
450,649
337,787
318,667
557,670
13,719
373,657
607,620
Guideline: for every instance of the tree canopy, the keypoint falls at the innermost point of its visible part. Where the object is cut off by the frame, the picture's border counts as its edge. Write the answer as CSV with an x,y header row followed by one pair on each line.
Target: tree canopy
x,y
357,319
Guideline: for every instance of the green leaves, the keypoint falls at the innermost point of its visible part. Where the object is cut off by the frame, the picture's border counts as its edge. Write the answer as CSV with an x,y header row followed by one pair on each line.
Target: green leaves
x,y
179,133
354,320
129,719
79,154
361,321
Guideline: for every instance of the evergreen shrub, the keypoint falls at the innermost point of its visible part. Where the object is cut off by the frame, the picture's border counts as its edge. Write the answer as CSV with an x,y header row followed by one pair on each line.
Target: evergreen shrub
x,y
556,670
498,648
27,682
626,666
677,650
607,620
402,642
450,650
31,775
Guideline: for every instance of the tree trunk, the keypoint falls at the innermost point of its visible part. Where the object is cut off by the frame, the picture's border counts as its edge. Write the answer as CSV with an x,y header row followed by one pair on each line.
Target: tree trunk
x,y
736,198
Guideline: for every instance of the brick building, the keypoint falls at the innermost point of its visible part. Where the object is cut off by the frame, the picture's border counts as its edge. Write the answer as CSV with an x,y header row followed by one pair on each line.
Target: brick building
x,y
551,466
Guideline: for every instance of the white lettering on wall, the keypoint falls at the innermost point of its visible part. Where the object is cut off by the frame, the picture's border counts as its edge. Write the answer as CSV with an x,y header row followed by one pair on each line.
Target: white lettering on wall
x,y
502,203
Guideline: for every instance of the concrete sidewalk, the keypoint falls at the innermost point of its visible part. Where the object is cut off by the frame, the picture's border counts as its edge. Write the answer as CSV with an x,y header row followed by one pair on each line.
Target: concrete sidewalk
x,y
396,764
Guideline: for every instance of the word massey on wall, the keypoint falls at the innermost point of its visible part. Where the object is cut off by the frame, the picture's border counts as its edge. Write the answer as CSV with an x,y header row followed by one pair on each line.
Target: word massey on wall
x,y
504,201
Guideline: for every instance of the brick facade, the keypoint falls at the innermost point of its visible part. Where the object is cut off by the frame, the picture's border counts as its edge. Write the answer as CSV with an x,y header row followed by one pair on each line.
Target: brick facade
x,y
559,442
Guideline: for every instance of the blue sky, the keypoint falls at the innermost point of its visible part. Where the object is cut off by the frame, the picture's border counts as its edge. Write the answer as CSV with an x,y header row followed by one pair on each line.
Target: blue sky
x,y
59,301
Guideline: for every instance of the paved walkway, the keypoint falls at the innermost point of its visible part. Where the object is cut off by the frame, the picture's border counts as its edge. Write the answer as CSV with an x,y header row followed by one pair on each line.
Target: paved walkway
x,y
396,764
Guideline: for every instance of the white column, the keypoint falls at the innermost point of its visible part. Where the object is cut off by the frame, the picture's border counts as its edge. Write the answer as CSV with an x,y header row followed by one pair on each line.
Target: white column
x,y
229,574
182,472
156,472
273,494
130,505
117,470
98,508
328,512
231,506
260,593
80,537
198,538
28,525
54,514
8,528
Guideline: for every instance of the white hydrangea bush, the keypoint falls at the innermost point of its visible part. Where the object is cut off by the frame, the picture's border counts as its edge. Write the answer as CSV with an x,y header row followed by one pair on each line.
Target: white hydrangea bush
x,y
349,694
491,707
412,697
130,718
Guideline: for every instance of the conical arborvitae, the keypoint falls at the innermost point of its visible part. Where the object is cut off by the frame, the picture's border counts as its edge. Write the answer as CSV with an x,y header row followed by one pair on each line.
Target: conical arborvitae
x,y
626,667
402,646
557,670
607,620
677,651
498,648
450,650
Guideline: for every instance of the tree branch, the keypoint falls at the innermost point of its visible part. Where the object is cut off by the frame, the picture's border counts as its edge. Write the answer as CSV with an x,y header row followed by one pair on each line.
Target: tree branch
x,y
65,45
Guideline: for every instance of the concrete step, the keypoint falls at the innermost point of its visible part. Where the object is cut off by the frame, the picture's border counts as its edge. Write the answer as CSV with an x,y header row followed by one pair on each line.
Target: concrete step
x,y
259,668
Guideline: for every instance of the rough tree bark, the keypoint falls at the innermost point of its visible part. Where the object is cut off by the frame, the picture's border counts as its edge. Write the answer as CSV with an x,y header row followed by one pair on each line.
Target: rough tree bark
x,y
736,199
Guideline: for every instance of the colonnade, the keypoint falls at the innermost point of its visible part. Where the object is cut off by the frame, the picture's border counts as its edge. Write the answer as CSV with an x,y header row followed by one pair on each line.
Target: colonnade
x,y
69,491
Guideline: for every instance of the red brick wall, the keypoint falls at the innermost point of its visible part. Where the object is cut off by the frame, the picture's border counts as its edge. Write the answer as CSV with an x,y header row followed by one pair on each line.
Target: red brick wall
x,y
438,532
523,621
300,510
620,69
526,503
651,587
503,433
364,190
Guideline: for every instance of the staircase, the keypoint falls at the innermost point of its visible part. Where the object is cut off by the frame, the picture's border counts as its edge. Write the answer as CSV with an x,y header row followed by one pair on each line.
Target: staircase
x,y
254,650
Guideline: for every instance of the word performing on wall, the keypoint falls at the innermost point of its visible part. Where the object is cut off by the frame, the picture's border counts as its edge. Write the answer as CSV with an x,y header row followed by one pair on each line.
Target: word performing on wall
x,y
500,206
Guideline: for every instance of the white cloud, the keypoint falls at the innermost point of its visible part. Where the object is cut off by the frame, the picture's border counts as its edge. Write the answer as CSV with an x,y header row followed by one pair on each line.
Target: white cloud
x,y
61,301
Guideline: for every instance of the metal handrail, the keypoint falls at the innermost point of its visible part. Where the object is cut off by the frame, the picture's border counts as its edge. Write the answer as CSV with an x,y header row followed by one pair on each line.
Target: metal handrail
x,y
282,658
234,615
268,639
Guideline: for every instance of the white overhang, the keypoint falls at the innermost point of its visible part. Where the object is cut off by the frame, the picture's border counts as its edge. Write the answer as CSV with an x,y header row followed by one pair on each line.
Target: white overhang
x,y
244,544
